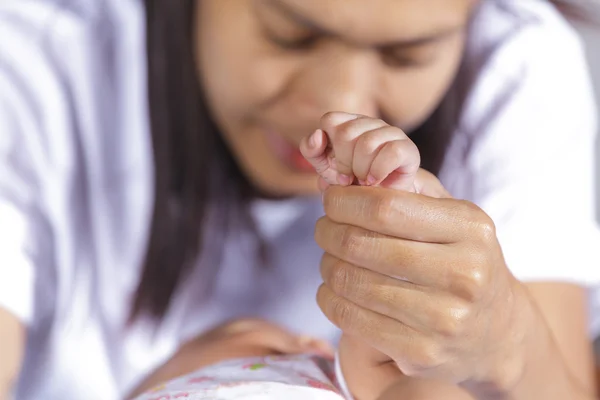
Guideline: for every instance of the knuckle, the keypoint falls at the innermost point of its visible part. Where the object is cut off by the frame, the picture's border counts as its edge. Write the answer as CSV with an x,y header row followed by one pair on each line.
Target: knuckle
x,y
472,282
453,322
328,119
345,132
482,225
319,234
340,278
405,149
468,209
447,326
367,144
343,313
385,209
427,356
396,150
351,241
378,123
485,228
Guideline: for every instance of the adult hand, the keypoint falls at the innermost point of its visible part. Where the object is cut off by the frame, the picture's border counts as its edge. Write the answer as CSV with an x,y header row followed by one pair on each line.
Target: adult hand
x,y
423,281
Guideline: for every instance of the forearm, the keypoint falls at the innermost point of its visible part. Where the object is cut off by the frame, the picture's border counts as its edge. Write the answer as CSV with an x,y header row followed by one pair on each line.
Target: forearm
x,y
546,375
12,348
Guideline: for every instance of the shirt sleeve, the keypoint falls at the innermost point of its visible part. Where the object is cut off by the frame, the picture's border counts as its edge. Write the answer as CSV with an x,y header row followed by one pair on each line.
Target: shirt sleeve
x,y
18,214
24,239
527,139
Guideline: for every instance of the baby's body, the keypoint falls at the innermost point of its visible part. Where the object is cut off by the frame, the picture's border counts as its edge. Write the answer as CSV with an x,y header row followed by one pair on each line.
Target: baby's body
x,y
256,360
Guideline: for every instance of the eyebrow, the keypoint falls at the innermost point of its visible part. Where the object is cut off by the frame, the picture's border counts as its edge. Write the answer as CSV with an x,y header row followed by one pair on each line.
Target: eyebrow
x,y
412,42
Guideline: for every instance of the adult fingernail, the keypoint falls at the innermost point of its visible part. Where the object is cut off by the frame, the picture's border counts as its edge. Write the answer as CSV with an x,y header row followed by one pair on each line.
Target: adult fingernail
x,y
344,180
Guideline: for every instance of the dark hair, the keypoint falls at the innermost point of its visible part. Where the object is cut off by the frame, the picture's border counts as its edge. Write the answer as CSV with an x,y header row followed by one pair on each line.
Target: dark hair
x,y
194,169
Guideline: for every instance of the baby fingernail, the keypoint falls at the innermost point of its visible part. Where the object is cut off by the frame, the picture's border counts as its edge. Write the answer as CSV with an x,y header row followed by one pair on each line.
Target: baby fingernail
x,y
312,140
305,341
317,346
338,117
344,180
371,180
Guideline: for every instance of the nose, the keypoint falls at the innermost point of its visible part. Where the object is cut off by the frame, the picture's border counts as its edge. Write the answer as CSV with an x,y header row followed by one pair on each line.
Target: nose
x,y
338,79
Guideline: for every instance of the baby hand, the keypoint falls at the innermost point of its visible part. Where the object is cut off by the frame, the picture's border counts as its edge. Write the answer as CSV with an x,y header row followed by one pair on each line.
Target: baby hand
x,y
350,148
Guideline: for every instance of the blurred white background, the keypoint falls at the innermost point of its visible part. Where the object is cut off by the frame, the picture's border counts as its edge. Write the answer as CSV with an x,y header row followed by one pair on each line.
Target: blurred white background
x,y
591,36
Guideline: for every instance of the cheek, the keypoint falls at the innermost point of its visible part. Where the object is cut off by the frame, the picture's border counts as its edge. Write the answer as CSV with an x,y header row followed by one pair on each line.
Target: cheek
x,y
410,96
237,72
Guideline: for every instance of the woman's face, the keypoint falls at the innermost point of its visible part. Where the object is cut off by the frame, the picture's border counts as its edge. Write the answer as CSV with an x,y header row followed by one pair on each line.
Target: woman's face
x,y
271,68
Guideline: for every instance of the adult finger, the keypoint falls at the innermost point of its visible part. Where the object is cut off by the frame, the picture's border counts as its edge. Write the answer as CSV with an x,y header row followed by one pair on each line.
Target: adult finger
x,y
446,267
407,215
416,354
428,184
416,306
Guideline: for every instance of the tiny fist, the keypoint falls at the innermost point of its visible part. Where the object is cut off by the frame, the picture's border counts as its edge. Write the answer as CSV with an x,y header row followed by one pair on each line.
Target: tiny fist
x,y
368,151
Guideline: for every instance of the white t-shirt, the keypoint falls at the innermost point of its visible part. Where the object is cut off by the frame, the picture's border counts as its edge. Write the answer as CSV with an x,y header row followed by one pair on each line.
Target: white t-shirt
x,y
76,184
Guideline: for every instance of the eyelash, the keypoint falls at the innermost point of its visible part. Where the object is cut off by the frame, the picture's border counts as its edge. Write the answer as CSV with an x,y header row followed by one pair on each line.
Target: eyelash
x,y
304,43
307,42
401,62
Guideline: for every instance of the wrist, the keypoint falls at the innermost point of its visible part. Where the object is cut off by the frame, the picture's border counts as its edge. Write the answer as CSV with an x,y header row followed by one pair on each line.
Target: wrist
x,y
532,366
424,389
510,360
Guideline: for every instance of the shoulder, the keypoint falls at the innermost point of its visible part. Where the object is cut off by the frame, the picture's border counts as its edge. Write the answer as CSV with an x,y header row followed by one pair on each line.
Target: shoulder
x,y
74,140
512,39
511,34
524,149
526,63
66,67
60,32
45,14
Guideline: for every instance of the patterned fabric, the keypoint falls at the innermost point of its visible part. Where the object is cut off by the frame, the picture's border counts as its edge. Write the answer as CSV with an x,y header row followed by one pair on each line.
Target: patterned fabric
x,y
301,377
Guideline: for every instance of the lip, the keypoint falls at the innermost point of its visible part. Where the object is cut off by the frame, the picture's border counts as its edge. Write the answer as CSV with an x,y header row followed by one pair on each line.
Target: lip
x,y
288,152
